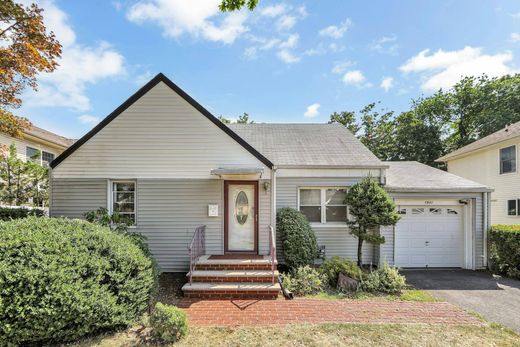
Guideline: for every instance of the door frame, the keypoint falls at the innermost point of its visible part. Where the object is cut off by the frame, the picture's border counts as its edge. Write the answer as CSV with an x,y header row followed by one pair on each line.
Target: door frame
x,y
228,183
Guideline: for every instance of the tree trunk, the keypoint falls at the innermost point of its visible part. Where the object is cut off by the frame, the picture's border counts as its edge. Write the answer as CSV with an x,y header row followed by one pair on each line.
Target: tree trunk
x,y
359,252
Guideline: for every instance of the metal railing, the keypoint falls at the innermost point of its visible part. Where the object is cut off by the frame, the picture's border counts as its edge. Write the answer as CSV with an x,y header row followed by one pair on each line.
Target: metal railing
x,y
197,247
272,251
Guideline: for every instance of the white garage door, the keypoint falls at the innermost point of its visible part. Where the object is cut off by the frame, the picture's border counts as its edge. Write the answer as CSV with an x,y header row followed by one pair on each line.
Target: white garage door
x,y
429,236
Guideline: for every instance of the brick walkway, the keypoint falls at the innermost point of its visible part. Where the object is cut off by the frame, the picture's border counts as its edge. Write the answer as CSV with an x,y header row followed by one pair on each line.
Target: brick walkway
x,y
281,312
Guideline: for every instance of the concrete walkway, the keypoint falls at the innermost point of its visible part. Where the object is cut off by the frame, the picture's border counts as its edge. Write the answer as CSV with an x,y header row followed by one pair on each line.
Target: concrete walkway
x,y
495,298
282,312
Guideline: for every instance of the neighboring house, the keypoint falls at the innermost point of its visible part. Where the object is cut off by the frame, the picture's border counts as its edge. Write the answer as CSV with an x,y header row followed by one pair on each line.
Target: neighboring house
x,y
37,144
168,164
493,161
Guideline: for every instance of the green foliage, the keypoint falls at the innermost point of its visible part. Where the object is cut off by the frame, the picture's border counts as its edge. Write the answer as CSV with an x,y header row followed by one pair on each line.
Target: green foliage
x,y
504,248
7,213
370,207
169,323
235,5
61,279
304,280
385,279
332,267
22,182
298,239
445,121
242,119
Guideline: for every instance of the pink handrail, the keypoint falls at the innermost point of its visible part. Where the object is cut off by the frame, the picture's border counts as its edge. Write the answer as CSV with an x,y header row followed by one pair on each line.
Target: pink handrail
x,y
272,251
197,247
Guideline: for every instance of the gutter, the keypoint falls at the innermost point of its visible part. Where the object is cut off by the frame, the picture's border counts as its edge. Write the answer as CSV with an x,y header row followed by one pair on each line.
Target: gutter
x,y
333,166
438,190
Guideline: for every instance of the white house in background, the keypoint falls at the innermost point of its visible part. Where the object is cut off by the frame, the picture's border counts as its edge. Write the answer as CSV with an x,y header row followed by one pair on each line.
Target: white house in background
x,y
35,141
167,163
493,161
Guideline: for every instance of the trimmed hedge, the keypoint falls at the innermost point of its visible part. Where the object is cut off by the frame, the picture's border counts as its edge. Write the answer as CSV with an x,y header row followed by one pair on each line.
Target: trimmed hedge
x,y
61,279
169,323
504,249
7,213
385,279
298,239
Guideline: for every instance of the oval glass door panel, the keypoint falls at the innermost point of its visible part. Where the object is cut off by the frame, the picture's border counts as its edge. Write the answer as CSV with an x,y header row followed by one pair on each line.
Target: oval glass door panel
x,y
241,210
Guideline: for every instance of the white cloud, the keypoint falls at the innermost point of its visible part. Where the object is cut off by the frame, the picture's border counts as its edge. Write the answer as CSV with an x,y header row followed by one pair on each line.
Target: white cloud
x,y
312,111
250,53
286,22
515,37
354,77
336,31
342,66
288,57
387,83
385,45
195,17
442,69
79,66
516,15
273,11
291,41
88,119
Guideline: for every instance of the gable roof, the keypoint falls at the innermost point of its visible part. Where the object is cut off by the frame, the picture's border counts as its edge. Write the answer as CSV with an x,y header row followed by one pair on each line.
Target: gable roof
x,y
410,176
313,145
48,136
148,86
507,133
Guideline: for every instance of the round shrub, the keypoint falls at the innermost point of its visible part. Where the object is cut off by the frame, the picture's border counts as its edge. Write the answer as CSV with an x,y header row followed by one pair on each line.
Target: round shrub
x,y
331,268
385,279
504,250
61,279
169,323
298,240
304,280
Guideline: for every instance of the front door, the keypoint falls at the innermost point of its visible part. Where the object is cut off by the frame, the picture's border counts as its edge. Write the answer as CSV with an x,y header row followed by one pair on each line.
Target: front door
x,y
241,216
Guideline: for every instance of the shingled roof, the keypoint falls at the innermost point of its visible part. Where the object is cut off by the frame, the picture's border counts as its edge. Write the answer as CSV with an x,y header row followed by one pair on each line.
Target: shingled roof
x,y
507,133
413,176
48,136
313,145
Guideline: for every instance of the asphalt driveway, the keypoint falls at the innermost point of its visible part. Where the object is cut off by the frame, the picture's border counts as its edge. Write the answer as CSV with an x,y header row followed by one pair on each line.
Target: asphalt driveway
x,y
495,298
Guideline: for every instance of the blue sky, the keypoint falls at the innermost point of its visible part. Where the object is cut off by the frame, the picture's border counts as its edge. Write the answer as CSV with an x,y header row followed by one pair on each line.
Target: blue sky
x,y
288,61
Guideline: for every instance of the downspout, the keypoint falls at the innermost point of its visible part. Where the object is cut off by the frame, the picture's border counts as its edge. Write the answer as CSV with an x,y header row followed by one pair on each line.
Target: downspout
x,y
50,192
273,199
486,227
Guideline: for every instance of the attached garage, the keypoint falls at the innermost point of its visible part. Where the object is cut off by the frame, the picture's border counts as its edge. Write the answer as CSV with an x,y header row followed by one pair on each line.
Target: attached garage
x,y
430,236
444,219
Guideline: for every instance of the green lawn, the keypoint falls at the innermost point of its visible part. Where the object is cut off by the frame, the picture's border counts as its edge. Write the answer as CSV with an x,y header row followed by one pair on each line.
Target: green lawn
x,y
331,335
406,295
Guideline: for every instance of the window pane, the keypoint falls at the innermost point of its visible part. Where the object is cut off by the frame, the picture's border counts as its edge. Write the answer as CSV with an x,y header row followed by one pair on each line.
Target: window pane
x,y
47,157
435,211
417,210
313,213
508,159
336,214
401,211
124,197
310,196
511,207
128,218
123,207
336,196
124,186
451,211
32,154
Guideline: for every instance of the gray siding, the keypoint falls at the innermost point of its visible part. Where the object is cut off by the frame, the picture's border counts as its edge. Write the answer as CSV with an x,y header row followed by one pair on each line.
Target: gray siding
x,y
168,210
336,239
73,197
386,250
479,232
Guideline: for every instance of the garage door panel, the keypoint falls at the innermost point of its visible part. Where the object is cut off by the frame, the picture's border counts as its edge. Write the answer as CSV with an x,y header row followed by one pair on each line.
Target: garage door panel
x,y
432,238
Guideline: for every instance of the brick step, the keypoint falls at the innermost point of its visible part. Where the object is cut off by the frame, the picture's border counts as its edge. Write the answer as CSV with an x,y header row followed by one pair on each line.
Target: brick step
x,y
231,290
262,276
204,263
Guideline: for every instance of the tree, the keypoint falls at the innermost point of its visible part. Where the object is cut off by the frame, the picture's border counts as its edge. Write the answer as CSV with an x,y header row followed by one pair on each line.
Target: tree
x,y
235,5
378,130
244,119
370,207
26,49
347,119
224,120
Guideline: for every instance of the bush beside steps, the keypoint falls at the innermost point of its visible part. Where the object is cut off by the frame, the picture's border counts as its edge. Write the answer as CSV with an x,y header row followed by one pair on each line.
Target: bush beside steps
x,y
504,249
169,323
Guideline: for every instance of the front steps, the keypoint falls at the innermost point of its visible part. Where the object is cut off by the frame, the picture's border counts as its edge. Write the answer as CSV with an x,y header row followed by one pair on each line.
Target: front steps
x,y
232,278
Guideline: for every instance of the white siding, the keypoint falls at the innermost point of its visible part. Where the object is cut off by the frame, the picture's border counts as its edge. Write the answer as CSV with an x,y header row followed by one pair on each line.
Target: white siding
x,y
483,167
73,197
160,136
386,250
22,144
336,239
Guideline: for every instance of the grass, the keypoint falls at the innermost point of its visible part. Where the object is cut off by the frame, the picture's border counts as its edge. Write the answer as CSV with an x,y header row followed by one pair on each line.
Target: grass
x,y
406,295
331,335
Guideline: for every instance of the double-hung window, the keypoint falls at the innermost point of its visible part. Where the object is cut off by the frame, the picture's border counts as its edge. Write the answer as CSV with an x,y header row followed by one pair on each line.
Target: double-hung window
x,y
37,156
513,207
508,159
123,200
323,205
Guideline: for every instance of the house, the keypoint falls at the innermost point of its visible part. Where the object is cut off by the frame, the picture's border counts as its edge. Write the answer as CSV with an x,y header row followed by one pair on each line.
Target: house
x,y
37,144
189,181
492,161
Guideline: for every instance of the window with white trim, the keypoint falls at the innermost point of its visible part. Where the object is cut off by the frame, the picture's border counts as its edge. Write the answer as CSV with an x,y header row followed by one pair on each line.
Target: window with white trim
x,y
123,202
508,159
323,205
37,156
512,207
